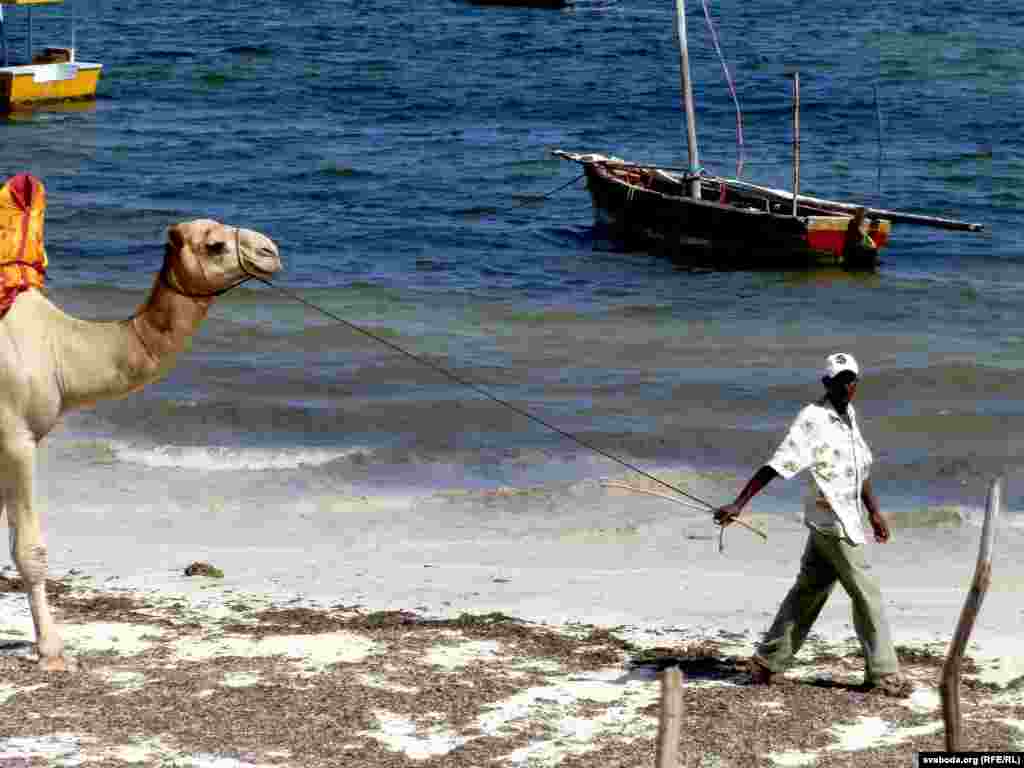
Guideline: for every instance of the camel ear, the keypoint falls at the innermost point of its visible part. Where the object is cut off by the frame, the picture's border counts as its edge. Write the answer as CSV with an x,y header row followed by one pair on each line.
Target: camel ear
x,y
175,238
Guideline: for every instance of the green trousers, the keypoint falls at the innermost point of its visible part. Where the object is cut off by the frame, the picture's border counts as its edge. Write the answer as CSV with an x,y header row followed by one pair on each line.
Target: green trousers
x,y
826,560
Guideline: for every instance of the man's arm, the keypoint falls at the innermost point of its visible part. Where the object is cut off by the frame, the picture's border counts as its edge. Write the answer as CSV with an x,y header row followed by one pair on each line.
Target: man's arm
x,y
875,516
728,513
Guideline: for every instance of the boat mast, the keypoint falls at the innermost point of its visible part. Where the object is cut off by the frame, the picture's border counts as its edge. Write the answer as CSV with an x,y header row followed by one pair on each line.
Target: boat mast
x,y
691,123
3,39
796,139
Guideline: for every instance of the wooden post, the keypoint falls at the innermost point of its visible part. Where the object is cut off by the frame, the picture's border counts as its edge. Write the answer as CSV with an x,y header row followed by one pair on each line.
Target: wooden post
x,y
949,688
796,139
691,121
671,721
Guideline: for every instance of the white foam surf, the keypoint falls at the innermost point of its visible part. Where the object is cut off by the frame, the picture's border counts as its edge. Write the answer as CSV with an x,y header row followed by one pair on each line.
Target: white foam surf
x,y
228,459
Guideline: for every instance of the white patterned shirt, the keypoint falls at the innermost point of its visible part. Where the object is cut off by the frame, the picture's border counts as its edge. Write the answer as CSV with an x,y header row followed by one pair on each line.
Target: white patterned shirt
x,y
839,460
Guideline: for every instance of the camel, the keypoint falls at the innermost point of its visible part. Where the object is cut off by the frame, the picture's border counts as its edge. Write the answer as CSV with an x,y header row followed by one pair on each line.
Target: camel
x,y
51,363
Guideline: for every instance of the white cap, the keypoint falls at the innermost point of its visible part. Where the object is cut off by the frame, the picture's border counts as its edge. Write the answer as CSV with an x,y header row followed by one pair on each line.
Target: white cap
x,y
838,362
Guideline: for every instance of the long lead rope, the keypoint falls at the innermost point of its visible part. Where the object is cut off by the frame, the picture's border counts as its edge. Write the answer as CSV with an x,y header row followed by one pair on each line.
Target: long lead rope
x,y
482,391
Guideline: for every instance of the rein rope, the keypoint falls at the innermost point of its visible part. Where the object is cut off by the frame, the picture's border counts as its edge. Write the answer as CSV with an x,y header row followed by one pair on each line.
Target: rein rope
x,y
165,278
484,392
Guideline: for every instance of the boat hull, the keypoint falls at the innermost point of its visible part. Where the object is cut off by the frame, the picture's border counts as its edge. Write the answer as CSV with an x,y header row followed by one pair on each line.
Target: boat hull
x,y
645,208
29,85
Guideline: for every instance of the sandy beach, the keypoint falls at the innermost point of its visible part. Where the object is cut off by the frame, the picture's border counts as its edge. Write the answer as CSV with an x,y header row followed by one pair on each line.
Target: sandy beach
x,y
415,576
413,654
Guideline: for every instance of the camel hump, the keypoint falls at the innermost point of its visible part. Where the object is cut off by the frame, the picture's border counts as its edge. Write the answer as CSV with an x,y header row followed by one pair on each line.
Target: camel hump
x,y
22,251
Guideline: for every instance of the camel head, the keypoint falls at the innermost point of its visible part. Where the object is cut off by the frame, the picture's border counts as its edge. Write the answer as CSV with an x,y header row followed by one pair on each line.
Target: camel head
x,y
205,257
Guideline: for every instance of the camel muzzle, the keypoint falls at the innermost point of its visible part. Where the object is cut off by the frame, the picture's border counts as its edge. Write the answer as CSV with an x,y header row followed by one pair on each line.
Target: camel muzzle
x,y
258,254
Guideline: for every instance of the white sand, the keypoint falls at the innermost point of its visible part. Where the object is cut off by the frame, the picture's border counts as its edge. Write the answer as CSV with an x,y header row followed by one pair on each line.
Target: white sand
x,y
554,704
311,652
125,639
400,734
653,584
454,656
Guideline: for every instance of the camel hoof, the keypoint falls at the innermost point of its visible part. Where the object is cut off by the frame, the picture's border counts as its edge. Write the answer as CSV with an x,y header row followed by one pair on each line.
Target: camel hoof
x,y
57,664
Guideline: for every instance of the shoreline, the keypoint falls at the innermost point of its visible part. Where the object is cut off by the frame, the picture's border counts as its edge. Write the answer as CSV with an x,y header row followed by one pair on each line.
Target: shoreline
x,y
205,674
472,627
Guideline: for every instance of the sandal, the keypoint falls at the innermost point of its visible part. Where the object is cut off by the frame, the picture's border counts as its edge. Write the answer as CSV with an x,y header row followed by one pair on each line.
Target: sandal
x,y
760,674
894,685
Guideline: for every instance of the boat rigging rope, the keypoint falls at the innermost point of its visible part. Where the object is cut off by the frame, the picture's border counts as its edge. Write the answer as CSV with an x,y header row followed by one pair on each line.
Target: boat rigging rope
x,y
482,391
732,90
527,199
534,198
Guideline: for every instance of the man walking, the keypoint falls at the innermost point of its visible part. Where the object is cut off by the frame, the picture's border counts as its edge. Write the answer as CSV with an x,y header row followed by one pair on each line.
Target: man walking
x,y
826,440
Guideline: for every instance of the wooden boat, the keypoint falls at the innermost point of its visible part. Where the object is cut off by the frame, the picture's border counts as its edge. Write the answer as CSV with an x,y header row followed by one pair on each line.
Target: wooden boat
x,y
728,223
49,75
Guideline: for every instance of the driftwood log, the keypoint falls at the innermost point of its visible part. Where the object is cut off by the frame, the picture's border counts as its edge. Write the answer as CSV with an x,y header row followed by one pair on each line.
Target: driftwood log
x,y
671,720
949,688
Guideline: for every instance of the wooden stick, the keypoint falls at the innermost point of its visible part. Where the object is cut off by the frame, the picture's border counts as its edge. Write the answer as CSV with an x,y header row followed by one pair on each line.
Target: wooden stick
x,y
671,720
796,140
659,494
949,688
677,500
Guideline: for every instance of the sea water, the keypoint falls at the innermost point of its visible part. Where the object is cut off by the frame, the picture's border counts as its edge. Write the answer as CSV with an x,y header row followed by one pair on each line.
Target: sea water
x,y
397,154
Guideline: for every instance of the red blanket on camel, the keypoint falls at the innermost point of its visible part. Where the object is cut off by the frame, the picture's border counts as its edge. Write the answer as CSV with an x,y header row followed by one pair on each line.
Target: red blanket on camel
x,y
22,255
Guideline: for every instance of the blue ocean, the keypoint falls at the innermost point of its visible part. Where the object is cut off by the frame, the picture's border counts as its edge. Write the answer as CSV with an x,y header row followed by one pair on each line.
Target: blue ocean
x,y
400,154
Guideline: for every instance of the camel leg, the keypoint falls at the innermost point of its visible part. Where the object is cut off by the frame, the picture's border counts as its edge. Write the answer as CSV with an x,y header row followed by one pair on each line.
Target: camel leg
x,y
28,549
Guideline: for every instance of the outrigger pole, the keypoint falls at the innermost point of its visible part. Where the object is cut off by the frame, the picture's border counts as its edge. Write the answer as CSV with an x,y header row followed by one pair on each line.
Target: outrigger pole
x,y
691,123
896,217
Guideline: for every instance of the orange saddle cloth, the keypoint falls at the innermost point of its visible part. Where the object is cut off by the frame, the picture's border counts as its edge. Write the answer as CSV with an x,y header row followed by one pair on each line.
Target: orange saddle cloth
x,y
22,255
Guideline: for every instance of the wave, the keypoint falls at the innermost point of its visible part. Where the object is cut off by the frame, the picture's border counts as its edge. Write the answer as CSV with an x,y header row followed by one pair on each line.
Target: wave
x,y
640,310
476,210
333,168
170,54
551,316
224,459
250,50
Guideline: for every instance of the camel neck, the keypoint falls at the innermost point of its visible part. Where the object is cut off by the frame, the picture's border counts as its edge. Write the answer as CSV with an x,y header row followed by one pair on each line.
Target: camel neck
x,y
164,323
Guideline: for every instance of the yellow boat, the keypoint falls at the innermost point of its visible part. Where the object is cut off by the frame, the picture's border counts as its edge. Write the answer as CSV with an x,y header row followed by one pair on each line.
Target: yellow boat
x,y
48,75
